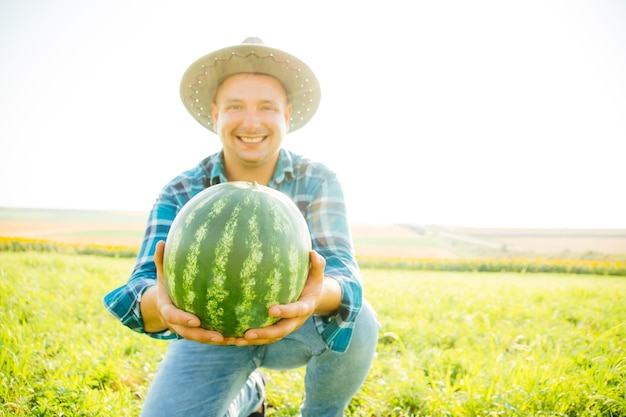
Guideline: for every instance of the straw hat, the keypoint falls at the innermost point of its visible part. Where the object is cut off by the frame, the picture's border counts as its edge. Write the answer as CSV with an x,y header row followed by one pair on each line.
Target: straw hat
x,y
200,81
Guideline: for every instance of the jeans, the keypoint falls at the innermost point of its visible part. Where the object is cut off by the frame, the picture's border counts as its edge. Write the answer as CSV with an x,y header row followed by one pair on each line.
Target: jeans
x,y
213,381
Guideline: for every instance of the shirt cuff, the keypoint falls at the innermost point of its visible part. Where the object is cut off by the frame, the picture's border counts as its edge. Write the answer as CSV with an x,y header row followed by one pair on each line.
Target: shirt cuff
x,y
123,303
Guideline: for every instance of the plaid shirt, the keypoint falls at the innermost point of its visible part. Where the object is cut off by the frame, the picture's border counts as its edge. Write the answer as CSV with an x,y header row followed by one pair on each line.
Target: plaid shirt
x,y
315,190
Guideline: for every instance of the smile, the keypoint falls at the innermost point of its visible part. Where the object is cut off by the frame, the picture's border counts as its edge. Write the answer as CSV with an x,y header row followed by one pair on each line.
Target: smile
x,y
247,139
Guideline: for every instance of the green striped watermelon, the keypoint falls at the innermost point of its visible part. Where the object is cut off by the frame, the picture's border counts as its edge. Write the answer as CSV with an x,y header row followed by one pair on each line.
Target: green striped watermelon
x,y
233,251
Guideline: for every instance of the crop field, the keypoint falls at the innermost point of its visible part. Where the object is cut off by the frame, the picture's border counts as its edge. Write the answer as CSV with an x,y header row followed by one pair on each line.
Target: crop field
x,y
451,343
75,226
392,240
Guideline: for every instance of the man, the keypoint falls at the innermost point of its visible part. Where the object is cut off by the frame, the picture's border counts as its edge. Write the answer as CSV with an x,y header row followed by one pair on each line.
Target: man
x,y
251,96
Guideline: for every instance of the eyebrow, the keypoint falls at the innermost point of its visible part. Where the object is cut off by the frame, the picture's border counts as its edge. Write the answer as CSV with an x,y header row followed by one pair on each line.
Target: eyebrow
x,y
265,101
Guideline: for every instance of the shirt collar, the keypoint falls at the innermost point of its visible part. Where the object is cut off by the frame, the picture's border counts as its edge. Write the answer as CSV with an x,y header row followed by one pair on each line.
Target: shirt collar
x,y
218,173
284,169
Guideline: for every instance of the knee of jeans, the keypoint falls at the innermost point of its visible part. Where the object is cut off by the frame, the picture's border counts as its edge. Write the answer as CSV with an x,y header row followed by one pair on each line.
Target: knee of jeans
x,y
367,326
368,315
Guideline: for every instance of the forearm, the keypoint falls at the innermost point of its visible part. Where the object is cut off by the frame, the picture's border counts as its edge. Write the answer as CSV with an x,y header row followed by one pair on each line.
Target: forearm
x,y
331,238
148,305
330,299
134,304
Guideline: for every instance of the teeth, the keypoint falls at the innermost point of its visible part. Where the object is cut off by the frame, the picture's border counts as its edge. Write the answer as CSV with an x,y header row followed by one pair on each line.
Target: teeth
x,y
246,139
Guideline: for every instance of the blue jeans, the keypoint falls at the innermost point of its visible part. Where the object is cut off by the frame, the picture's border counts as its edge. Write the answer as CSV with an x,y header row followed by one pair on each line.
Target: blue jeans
x,y
214,381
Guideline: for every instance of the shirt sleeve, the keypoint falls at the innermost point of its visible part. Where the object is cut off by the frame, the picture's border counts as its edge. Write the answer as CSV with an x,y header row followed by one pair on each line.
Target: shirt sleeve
x,y
123,302
331,237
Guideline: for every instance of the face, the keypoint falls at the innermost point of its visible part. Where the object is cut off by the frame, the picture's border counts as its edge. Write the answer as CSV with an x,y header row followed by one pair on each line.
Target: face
x,y
251,116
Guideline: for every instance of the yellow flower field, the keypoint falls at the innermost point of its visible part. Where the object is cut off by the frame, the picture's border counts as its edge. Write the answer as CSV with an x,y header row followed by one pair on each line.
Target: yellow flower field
x,y
488,264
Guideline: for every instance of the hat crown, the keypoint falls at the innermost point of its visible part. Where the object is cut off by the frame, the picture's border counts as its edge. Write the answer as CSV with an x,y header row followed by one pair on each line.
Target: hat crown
x,y
253,40
199,83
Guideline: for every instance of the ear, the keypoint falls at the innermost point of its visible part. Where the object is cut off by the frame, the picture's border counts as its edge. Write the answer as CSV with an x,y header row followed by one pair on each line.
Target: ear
x,y
214,113
287,116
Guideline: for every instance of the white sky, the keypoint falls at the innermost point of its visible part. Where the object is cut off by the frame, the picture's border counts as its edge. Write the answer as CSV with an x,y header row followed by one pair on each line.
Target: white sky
x,y
468,113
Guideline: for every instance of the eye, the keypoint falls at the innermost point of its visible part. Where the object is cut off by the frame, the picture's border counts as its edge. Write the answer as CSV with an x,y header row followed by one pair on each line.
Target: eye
x,y
233,107
269,108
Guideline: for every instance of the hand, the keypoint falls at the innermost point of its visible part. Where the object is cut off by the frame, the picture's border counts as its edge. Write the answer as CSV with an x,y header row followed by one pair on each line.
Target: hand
x,y
185,324
295,314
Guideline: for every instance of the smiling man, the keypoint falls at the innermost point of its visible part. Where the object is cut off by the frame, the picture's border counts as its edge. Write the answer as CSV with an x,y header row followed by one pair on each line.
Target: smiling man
x,y
251,114
251,96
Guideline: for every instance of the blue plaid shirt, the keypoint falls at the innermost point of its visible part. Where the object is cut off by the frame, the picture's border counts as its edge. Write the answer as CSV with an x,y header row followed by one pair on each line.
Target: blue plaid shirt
x,y
315,190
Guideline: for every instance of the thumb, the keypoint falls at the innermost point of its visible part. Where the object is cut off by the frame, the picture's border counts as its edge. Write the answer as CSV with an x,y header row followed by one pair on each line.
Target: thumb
x,y
158,259
317,262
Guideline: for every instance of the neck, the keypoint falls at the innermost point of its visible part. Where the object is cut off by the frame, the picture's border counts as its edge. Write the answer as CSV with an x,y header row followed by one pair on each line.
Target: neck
x,y
259,178
259,174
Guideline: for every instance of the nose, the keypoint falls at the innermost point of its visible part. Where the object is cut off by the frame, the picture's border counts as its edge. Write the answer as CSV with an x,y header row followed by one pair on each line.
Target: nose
x,y
251,120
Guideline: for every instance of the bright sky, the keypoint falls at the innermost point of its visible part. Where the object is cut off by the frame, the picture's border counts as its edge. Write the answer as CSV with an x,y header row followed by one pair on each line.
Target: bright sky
x,y
462,113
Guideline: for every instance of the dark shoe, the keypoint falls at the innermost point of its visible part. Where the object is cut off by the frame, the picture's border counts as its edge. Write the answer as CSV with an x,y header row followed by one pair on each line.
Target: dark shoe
x,y
261,380
258,414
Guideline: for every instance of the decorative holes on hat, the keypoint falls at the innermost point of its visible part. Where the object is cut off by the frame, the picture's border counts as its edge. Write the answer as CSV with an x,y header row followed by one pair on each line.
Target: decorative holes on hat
x,y
203,77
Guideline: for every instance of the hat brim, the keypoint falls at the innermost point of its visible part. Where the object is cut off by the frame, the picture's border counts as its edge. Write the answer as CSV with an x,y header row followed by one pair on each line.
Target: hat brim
x,y
203,77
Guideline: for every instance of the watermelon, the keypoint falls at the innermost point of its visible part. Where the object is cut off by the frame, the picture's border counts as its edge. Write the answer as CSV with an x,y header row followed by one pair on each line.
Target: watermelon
x,y
234,250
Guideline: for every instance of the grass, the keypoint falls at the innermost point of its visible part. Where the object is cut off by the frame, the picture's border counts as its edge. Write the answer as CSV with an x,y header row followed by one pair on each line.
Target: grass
x,y
499,344
60,352
451,344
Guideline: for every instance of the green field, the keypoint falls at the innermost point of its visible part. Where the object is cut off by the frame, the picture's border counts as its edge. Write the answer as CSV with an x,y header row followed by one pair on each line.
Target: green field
x,y
107,227
451,344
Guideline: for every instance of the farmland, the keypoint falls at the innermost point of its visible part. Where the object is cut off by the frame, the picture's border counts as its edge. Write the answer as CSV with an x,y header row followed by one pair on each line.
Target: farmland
x,y
75,226
454,342
410,241
451,344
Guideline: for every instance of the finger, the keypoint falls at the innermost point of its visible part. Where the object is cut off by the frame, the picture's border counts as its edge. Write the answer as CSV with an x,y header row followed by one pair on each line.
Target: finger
x,y
300,308
272,333
292,315
318,263
170,315
201,335
306,303
179,321
158,257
